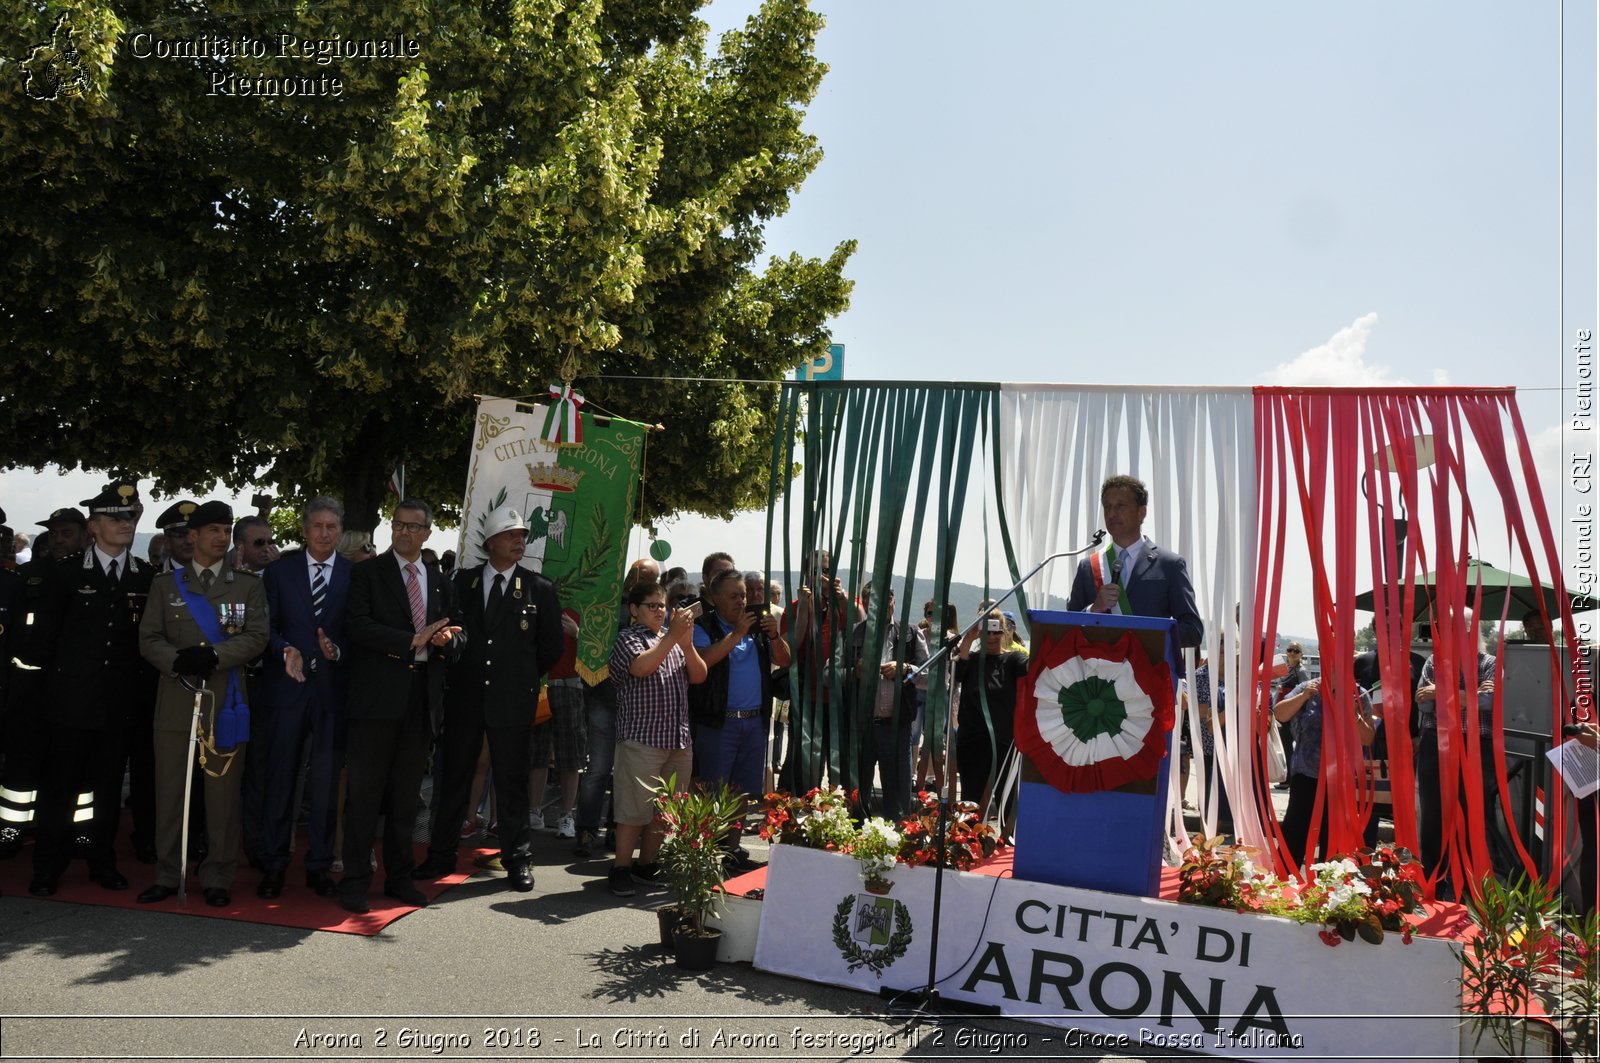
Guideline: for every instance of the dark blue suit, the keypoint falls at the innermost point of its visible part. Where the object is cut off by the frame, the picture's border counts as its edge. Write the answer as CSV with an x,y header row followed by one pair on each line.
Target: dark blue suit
x,y
1158,586
292,709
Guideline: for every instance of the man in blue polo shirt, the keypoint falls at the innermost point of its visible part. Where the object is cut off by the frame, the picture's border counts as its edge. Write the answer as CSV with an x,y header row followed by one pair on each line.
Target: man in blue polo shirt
x,y
732,709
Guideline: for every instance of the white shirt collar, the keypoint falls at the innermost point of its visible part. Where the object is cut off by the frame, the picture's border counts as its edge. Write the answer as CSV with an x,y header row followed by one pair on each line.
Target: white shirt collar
x,y
1131,556
312,563
105,560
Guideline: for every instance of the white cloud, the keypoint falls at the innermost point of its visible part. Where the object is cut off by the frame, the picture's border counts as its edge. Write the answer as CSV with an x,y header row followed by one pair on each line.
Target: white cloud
x,y
1340,362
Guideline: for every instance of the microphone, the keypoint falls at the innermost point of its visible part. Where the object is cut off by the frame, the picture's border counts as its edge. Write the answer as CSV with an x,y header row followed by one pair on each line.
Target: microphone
x,y
1116,568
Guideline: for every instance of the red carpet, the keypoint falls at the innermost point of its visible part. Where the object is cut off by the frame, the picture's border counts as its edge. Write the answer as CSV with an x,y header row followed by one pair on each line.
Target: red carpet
x,y
297,907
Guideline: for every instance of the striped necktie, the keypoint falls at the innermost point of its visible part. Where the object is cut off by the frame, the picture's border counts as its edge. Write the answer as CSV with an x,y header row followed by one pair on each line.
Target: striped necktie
x,y
319,588
419,613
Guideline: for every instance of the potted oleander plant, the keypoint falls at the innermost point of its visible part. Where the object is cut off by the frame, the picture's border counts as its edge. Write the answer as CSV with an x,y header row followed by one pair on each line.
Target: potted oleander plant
x,y
695,817
1526,951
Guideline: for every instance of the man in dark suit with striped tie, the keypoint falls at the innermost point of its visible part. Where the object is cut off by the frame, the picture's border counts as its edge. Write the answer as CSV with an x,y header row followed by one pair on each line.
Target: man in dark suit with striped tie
x,y
512,618
303,692
401,635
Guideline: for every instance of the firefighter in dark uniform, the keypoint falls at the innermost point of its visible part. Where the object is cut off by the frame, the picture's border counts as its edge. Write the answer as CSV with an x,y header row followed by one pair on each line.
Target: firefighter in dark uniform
x,y
24,718
85,642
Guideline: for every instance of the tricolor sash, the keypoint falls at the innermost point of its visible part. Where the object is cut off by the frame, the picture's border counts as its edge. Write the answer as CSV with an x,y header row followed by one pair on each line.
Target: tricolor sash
x,y
232,724
1103,568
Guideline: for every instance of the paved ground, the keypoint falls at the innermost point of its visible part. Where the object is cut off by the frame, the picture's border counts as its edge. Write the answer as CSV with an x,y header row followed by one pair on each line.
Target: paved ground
x,y
566,972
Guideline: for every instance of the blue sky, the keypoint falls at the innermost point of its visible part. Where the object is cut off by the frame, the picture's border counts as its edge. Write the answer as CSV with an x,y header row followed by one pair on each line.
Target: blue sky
x,y
1226,193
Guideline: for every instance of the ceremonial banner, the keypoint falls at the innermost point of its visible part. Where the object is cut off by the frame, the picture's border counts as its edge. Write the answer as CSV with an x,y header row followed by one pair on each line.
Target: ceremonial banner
x,y
1124,974
577,498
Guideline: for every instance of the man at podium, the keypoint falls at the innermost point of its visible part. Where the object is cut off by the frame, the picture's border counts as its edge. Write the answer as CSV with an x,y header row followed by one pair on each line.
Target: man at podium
x,y
1133,576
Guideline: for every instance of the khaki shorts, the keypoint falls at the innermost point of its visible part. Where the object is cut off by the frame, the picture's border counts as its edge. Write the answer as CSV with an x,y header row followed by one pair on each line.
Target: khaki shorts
x,y
630,797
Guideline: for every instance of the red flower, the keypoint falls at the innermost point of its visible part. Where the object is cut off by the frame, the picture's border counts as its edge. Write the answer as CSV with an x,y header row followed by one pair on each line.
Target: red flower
x,y
1329,936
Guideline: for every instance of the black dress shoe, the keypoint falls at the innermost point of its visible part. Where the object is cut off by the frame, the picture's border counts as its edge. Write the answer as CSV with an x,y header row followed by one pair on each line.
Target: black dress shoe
x,y
354,902
156,894
521,878
42,885
110,878
216,896
271,886
406,893
434,867
322,883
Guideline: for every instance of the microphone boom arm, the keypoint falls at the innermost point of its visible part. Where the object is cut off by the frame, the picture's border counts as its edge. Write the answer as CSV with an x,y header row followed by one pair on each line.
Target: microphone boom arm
x,y
944,650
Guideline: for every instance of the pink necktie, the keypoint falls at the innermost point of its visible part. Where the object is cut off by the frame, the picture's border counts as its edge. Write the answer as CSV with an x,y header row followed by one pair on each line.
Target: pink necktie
x,y
419,613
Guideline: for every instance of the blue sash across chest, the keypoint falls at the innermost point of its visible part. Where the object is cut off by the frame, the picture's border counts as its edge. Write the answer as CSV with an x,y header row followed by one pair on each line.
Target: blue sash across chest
x,y
232,724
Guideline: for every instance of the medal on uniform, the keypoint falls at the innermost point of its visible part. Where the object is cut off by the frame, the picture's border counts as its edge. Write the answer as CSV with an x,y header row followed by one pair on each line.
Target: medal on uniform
x,y
524,623
232,615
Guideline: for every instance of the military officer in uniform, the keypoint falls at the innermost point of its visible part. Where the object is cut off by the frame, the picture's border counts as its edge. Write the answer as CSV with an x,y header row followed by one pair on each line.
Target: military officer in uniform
x,y
24,718
205,622
174,525
512,620
93,684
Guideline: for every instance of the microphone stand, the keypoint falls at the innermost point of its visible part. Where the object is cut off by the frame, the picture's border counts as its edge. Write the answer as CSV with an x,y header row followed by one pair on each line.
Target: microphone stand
x,y
928,1000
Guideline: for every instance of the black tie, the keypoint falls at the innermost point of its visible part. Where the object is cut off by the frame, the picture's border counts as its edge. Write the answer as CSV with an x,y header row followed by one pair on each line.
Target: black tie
x,y
319,588
205,580
496,593
113,571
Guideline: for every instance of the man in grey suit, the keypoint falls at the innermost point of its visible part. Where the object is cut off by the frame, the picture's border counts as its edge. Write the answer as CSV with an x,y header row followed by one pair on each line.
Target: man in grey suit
x,y
398,620
204,622
1134,576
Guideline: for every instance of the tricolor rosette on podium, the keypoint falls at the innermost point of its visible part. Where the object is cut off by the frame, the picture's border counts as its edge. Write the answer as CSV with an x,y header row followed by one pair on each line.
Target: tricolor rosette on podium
x,y
1099,714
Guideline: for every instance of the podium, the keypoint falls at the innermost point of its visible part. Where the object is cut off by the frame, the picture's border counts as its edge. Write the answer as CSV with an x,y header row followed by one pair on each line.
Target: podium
x,y
1094,766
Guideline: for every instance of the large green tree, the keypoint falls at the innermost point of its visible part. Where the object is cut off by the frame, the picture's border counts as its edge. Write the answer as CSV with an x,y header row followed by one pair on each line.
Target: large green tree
x,y
206,276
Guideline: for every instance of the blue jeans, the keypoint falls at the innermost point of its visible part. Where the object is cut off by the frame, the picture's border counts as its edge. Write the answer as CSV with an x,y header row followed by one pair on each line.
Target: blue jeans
x,y
600,707
734,753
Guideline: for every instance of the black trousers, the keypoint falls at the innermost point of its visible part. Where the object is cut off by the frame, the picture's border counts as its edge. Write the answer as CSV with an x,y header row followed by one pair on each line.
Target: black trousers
x,y
1430,821
79,761
140,746
888,752
464,731
386,760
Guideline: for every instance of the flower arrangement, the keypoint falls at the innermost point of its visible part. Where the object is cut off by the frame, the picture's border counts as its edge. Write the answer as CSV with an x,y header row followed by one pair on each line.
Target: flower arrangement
x,y
1227,876
819,820
967,839
877,849
695,819
822,820
1365,894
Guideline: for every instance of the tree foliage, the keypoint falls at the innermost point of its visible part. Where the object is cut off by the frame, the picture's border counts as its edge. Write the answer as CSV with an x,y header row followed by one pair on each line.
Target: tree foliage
x,y
303,290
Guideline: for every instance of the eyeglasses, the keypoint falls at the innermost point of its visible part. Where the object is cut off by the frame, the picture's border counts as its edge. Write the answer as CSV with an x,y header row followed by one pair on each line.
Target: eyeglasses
x,y
260,542
409,526
653,605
